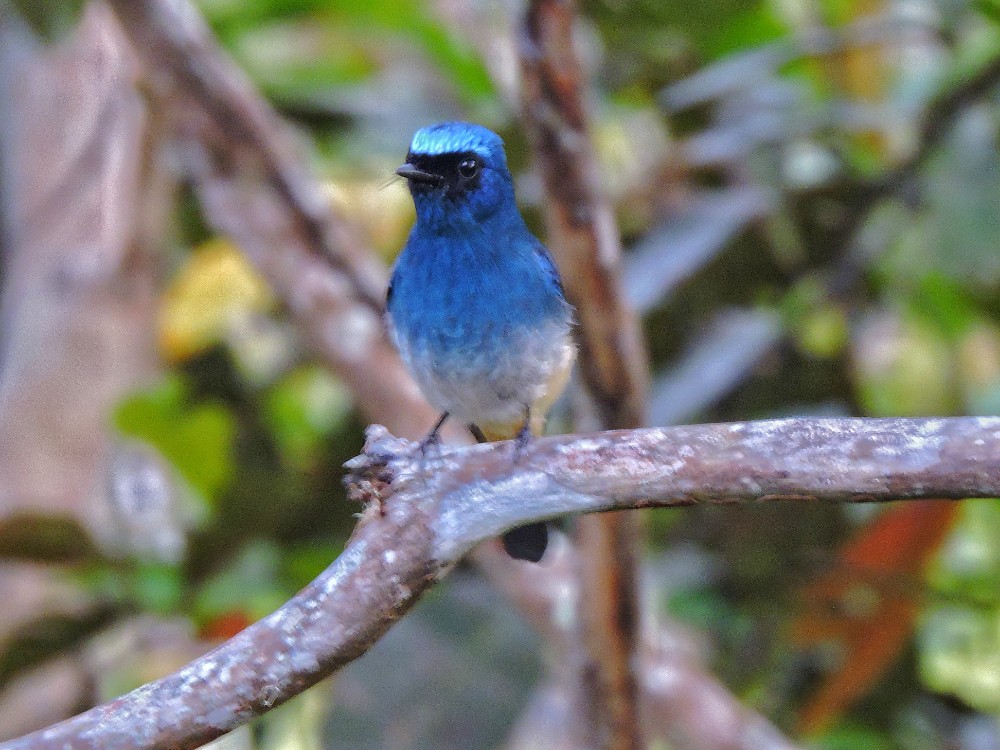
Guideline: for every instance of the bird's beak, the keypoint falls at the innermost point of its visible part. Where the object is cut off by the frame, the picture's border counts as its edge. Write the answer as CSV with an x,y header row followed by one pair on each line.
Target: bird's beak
x,y
413,174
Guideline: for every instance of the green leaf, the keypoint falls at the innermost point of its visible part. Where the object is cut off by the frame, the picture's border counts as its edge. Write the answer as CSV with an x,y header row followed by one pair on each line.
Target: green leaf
x,y
968,566
945,303
250,583
903,368
959,638
746,28
956,234
302,409
960,654
50,19
198,439
853,737
304,562
454,58
300,50
147,586
158,587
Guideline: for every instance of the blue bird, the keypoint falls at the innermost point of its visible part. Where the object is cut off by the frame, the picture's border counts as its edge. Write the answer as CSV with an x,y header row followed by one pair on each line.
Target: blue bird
x,y
475,303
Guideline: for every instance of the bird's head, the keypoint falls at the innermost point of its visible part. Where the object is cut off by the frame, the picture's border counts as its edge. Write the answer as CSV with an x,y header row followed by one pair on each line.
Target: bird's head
x,y
456,170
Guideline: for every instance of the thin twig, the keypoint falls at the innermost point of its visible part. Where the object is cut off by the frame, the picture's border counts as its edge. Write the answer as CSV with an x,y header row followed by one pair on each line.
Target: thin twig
x,y
938,119
580,222
173,34
431,516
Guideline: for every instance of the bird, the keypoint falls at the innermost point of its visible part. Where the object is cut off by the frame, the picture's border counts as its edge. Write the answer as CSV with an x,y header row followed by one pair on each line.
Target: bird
x,y
475,303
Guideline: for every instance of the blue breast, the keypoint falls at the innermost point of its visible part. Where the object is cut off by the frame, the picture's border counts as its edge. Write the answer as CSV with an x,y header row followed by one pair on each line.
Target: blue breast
x,y
463,298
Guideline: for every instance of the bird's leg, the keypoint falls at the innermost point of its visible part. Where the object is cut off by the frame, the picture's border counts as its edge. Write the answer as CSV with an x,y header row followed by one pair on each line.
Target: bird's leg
x,y
433,437
530,541
523,437
477,433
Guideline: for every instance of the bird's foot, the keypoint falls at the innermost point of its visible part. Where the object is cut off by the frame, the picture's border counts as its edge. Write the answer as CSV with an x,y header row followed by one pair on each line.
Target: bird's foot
x,y
522,440
427,449
432,441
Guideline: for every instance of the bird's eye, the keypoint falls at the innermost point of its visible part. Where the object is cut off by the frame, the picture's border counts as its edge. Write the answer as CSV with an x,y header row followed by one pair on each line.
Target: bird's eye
x,y
468,168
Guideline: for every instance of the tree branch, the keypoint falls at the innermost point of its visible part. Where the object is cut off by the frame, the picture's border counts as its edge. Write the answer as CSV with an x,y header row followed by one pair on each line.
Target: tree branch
x,y
235,170
937,120
427,513
584,239
582,232
175,36
255,188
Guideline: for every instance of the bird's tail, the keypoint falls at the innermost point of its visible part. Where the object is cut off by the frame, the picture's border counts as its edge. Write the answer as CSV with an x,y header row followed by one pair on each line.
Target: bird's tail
x,y
529,542
525,542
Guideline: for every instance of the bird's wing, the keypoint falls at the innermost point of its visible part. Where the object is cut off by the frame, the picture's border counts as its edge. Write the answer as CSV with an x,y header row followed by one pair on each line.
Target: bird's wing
x,y
545,259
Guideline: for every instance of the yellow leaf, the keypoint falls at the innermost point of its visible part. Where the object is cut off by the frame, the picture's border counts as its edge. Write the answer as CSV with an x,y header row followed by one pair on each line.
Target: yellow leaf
x,y
382,207
214,289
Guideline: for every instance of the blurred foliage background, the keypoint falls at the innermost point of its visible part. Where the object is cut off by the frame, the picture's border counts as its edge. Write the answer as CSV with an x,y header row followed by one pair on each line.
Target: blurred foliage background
x,y
794,250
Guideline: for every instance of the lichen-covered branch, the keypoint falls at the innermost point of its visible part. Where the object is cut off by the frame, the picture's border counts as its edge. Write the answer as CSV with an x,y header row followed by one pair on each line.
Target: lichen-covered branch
x,y
425,513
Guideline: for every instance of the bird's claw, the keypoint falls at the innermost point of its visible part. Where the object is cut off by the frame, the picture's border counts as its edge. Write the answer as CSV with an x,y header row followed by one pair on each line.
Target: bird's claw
x,y
431,441
521,441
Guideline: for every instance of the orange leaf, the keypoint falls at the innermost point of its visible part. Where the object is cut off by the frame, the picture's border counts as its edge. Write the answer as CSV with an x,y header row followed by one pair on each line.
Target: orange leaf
x,y
865,605
225,626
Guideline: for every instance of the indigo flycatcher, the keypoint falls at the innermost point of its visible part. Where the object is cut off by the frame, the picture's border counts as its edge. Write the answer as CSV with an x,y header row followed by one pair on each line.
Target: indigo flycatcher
x,y
475,304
